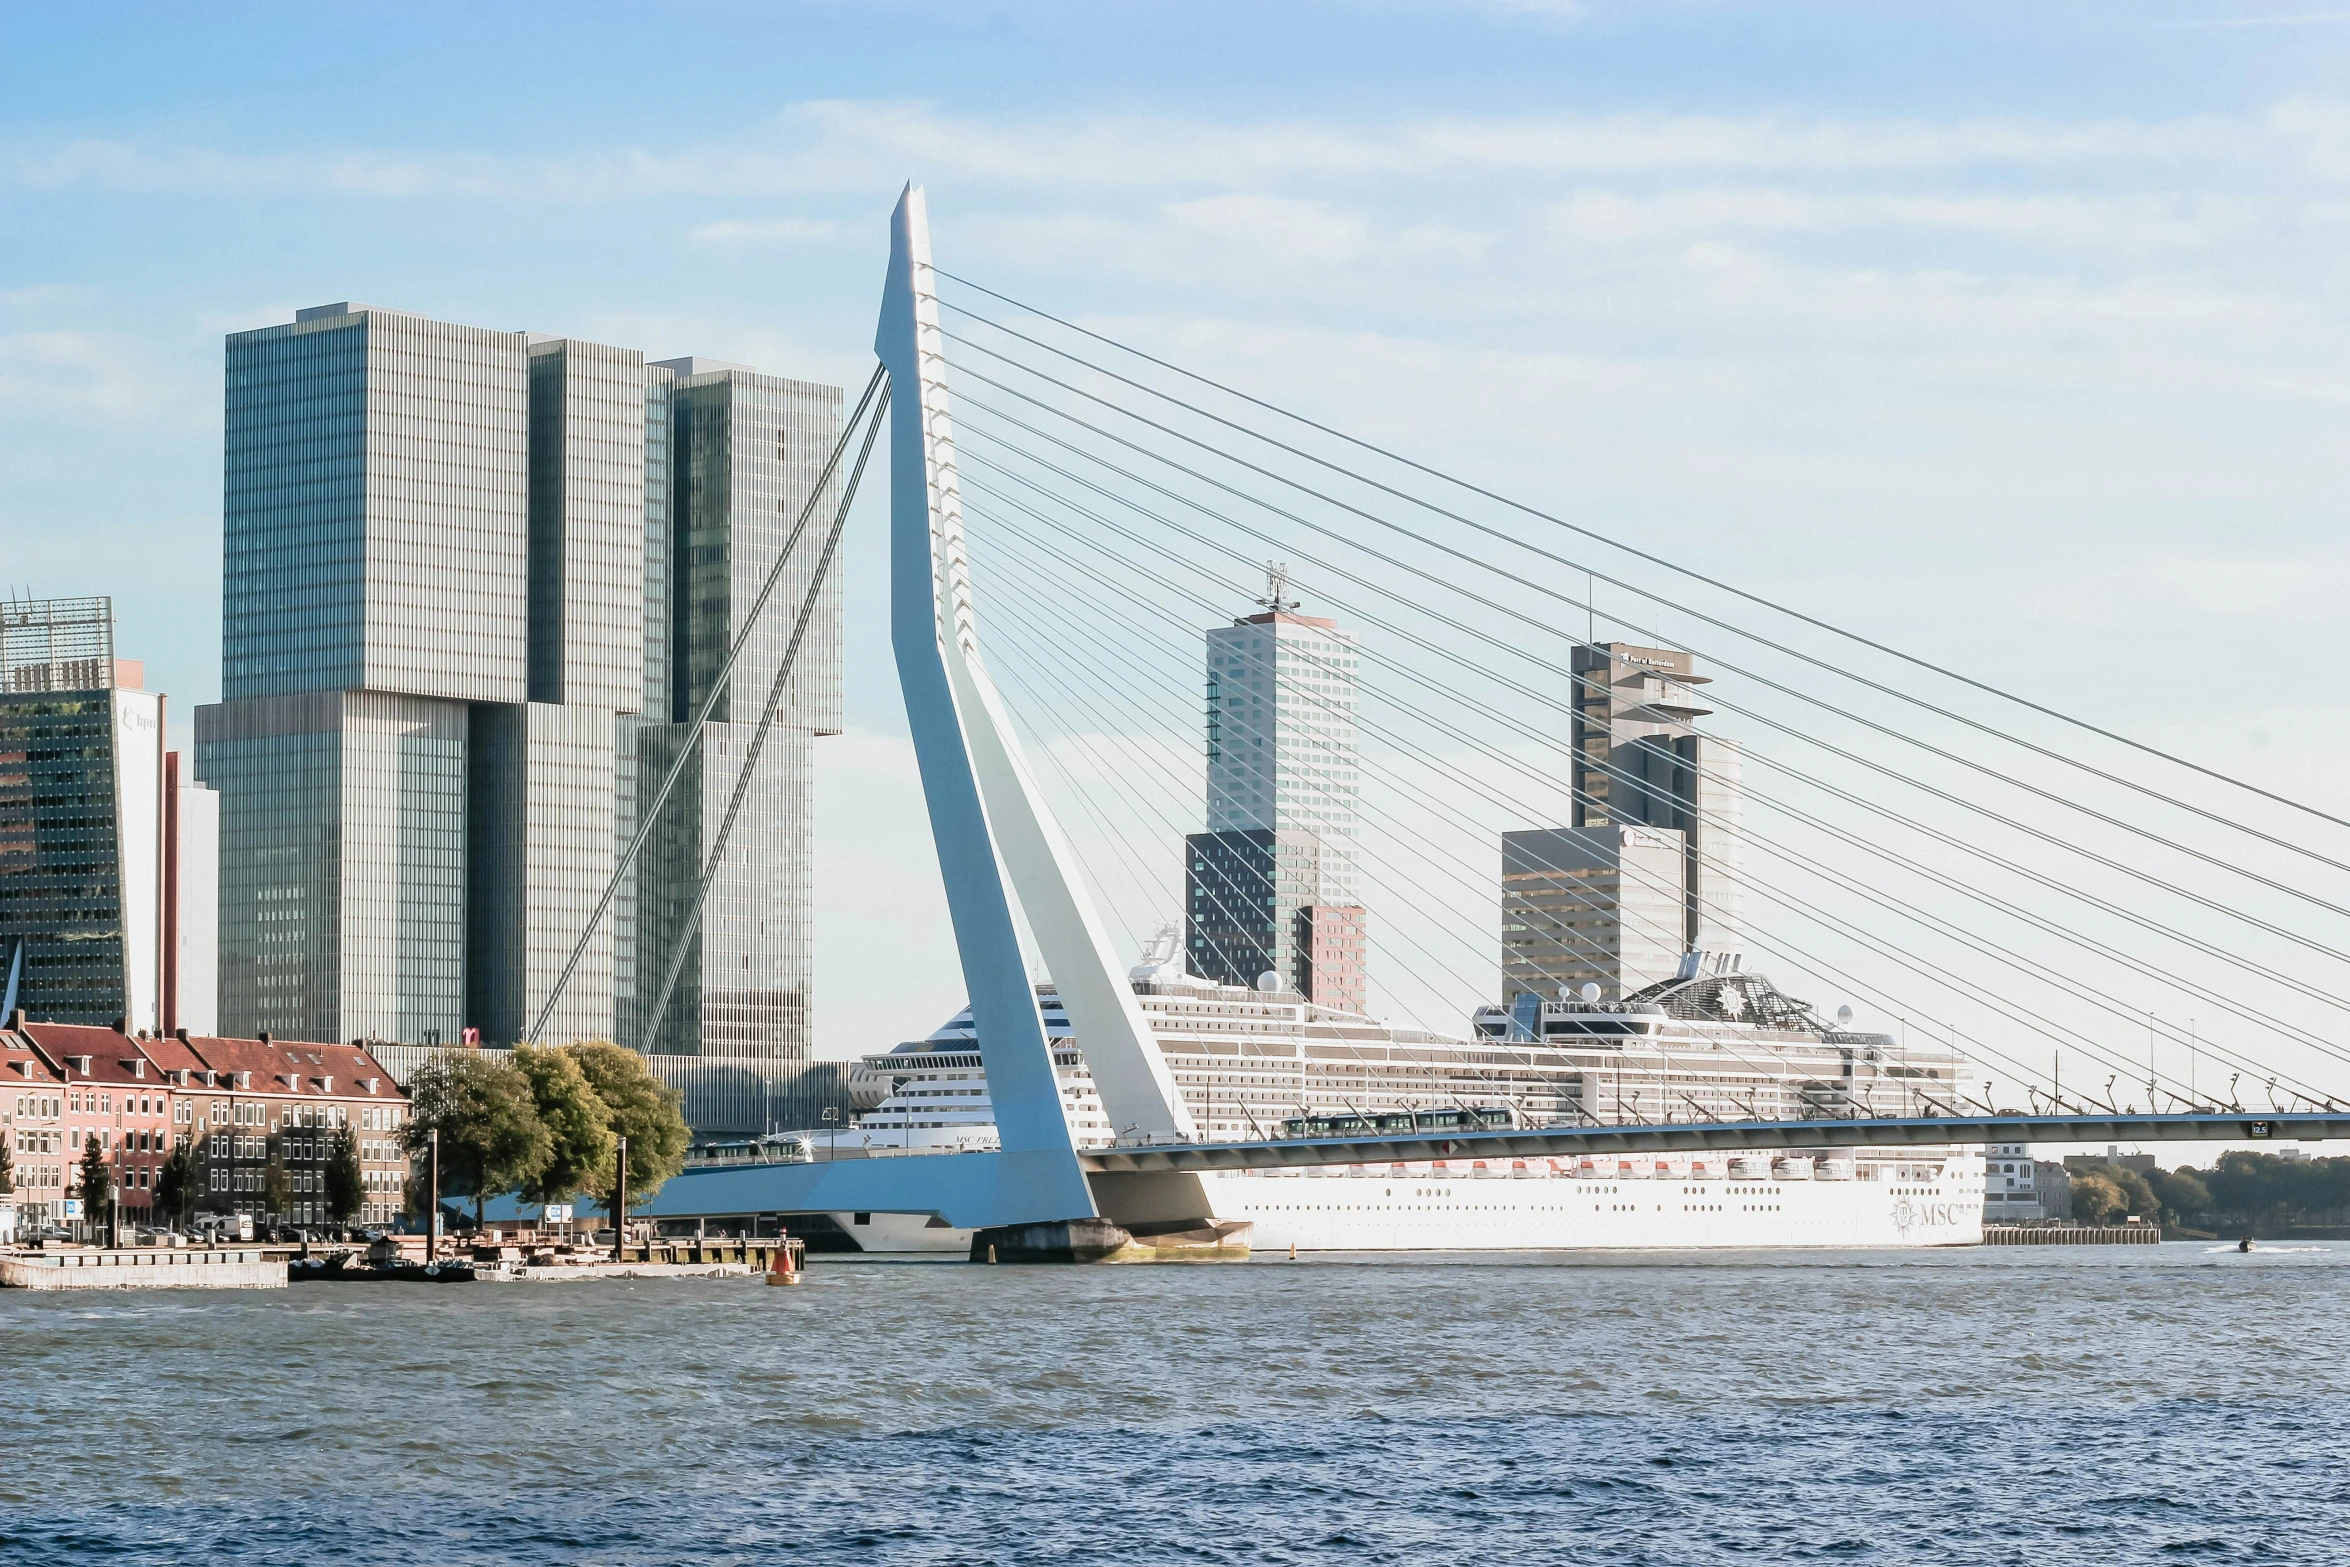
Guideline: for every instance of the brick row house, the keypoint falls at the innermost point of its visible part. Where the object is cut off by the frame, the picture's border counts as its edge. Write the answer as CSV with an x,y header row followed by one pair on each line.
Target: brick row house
x,y
241,1102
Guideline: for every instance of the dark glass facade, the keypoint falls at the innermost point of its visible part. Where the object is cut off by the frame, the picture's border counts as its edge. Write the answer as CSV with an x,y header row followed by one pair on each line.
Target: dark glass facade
x,y
60,855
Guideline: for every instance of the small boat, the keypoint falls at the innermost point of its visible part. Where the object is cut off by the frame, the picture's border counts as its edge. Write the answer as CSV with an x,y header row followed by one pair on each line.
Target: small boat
x,y
2245,1244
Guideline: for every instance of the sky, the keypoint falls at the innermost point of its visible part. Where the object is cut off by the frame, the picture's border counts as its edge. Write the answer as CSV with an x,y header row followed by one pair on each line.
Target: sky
x,y
2008,333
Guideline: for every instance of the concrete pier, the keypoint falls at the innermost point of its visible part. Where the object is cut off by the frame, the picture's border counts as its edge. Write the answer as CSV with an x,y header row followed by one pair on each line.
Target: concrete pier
x,y
2072,1234
150,1268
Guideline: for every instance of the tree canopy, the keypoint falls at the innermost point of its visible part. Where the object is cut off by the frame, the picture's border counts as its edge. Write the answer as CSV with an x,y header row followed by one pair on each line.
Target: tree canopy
x,y
277,1184
578,1123
97,1182
2097,1199
175,1183
545,1126
346,1186
492,1139
643,1109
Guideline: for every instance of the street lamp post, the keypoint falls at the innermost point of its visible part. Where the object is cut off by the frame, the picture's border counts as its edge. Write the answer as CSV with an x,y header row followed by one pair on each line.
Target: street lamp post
x,y
432,1195
620,1202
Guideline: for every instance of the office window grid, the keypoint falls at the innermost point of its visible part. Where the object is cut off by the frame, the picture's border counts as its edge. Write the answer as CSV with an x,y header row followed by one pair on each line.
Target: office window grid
x,y
61,855
294,509
542,850
587,524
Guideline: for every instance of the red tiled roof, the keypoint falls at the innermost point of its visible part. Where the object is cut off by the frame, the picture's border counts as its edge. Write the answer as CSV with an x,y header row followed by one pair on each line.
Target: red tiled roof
x,y
112,1057
295,1067
21,1063
303,1067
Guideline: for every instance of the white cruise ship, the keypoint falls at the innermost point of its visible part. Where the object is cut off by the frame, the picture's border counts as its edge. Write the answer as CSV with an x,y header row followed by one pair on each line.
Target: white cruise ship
x,y
1710,1047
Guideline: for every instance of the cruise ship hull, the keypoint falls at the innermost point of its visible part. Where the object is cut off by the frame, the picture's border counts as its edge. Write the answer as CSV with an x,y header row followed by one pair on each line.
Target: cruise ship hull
x,y
1346,1209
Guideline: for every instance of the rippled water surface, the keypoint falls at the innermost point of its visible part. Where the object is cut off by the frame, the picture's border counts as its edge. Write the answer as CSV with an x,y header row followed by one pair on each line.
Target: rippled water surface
x,y
2179,1403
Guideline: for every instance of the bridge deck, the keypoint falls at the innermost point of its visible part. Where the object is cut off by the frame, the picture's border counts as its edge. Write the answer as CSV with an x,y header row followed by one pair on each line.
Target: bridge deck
x,y
1567,1142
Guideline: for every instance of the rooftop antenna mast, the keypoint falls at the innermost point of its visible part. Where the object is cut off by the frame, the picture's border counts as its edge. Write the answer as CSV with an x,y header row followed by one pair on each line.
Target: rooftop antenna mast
x,y
1277,597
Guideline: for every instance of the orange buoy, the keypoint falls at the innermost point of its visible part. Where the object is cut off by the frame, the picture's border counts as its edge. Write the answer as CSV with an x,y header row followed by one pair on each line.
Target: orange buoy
x,y
785,1268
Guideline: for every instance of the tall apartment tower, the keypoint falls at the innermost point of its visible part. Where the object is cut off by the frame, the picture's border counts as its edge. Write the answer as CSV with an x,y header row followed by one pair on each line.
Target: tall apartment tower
x,y
455,605
1275,883
105,851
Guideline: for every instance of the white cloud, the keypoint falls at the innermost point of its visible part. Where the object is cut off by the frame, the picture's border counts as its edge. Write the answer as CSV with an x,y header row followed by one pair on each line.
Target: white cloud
x,y
862,145
765,233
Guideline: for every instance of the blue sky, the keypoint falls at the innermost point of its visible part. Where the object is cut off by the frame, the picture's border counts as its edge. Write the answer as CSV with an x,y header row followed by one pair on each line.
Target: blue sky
x,y
2013,331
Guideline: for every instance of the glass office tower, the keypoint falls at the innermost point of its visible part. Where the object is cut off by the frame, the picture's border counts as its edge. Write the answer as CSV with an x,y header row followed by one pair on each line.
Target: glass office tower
x,y
81,819
476,583
730,984
375,584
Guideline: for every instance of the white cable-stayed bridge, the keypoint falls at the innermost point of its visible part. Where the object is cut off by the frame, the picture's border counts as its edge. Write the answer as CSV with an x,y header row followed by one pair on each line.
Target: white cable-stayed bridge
x,y
2122,940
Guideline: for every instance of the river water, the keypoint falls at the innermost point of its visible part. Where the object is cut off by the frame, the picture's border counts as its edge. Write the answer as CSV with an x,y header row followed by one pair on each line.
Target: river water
x,y
2100,1405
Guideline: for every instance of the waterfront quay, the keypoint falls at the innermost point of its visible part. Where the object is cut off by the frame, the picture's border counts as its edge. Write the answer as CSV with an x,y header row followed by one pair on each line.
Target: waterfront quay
x,y
143,1267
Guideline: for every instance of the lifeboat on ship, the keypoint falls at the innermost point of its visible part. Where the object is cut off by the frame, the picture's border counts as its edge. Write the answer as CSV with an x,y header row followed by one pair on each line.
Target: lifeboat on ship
x,y
1832,1170
1749,1167
1671,1167
1795,1167
1705,1166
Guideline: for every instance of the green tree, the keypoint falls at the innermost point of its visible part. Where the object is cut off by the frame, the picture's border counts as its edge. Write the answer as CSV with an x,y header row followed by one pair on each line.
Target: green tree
x,y
643,1109
2182,1194
97,1181
175,1183
346,1185
492,1139
2097,1200
277,1183
579,1125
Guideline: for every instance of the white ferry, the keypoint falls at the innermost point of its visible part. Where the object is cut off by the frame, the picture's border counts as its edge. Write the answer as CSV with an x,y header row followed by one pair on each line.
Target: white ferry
x,y
1707,1047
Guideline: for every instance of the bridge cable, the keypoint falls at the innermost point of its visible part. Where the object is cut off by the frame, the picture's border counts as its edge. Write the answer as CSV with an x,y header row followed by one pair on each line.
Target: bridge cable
x,y
2074,805
715,861
1912,960
1890,856
649,814
1601,538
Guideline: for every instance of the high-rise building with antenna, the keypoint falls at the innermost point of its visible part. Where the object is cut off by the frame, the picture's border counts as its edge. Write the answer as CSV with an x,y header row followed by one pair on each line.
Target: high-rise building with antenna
x,y
1274,886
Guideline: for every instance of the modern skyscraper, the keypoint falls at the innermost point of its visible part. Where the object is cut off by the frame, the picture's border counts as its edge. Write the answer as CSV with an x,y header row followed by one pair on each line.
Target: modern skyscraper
x,y
743,451
1275,883
100,844
1650,868
1639,759
469,577
1589,905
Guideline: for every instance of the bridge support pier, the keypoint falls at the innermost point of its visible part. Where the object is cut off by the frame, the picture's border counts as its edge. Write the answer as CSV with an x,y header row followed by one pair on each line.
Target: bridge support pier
x,y
1098,1240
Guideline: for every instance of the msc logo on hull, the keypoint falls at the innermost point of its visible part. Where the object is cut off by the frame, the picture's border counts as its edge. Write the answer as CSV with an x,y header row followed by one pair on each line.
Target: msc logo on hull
x,y
1909,1216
